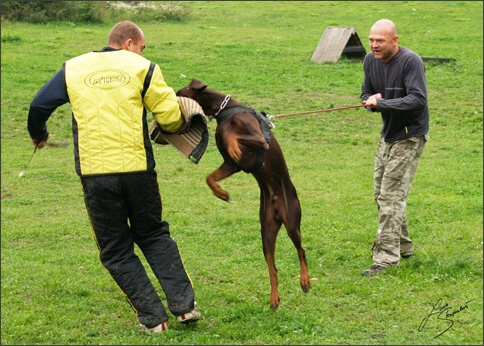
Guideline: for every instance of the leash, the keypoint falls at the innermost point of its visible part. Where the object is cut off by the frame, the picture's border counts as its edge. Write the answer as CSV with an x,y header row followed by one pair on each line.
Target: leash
x,y
227,98
57,144
20,175
270,117
51,144
318,111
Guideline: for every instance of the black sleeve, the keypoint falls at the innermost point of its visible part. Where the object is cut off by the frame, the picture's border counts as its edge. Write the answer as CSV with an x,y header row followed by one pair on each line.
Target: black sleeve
x,y
367,88
52,95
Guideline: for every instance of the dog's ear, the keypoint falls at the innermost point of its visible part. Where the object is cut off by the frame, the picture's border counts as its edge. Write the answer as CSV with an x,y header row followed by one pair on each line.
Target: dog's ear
x,y
197,85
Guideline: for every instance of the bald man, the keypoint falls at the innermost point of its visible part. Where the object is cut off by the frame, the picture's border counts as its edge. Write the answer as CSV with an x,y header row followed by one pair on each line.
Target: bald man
x,y
394,85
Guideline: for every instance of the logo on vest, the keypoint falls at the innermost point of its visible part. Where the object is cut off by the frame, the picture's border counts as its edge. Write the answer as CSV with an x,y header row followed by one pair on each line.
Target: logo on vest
x,y
108,79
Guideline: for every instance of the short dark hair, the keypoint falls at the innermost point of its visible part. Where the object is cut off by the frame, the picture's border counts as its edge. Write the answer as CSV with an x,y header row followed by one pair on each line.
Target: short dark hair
x,y
123,31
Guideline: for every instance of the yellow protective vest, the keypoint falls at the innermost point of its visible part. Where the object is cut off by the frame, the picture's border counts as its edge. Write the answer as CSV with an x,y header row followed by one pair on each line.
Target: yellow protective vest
x,y
110,127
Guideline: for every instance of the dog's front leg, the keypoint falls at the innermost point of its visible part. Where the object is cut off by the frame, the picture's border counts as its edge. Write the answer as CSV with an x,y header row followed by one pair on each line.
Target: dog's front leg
x,y
233,148
224,171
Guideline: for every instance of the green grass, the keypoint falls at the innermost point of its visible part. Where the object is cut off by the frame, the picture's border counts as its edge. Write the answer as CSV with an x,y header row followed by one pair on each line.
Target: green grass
x,y
54,289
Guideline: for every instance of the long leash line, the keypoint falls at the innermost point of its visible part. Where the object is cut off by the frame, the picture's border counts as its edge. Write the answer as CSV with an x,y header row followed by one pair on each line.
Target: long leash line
x,y
35,149
318,111
52,144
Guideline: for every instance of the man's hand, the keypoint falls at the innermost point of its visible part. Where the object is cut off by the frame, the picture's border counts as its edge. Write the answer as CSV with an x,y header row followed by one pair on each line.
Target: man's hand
x,y
372,101
41,144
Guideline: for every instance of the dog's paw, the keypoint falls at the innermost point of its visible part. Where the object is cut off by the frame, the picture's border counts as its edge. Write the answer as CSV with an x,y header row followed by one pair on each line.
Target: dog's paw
x,y
223,195
305,286
305,280
235,154
275,303
234,150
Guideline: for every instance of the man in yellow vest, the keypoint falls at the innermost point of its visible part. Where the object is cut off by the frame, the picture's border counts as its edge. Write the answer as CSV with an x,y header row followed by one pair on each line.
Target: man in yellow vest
x,y
109,92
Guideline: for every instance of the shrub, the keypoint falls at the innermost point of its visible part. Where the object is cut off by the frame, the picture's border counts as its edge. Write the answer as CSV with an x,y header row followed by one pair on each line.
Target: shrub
x,y
45,11
145,11
92,11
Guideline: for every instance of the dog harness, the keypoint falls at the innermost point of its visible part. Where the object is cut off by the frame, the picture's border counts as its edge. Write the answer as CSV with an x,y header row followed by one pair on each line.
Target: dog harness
x,y
265,126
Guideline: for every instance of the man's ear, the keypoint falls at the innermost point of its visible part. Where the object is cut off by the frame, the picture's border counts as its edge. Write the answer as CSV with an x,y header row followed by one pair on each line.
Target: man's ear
x,y
127,45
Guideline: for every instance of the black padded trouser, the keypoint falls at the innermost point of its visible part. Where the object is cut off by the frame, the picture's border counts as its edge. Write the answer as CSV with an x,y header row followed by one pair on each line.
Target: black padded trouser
x,y
126,209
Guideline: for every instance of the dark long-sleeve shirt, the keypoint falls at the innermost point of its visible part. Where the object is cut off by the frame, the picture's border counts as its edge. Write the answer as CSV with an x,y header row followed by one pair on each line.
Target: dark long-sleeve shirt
x,y
403,86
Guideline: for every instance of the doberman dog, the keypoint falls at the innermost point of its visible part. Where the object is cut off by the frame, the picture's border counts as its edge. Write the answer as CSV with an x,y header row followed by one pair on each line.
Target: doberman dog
x,y
246,143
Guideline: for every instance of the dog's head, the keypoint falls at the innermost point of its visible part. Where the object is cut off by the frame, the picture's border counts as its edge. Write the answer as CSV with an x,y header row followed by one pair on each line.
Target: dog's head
x,y
210,100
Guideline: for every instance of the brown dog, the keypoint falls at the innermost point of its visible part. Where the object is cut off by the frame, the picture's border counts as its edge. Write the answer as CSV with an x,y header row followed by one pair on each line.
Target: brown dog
x,y
245,142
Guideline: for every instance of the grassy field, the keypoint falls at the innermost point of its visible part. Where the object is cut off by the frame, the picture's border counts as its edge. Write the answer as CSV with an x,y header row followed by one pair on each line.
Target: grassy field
x,y
54,289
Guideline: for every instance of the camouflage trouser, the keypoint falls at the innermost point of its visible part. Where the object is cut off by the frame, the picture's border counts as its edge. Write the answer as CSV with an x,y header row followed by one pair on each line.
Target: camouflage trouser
x,y
395,167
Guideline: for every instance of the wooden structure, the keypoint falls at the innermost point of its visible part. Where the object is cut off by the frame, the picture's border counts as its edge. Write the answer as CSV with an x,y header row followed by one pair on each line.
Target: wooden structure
x,y
337,41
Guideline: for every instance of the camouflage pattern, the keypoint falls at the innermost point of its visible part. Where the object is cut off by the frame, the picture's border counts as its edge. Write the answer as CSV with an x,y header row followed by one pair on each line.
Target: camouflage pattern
x,y
395,167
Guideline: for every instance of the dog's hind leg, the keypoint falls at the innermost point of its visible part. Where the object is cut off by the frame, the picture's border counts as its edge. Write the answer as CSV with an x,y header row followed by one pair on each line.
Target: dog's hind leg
x,y
295,235
224,171
270,228
292,222
268,247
